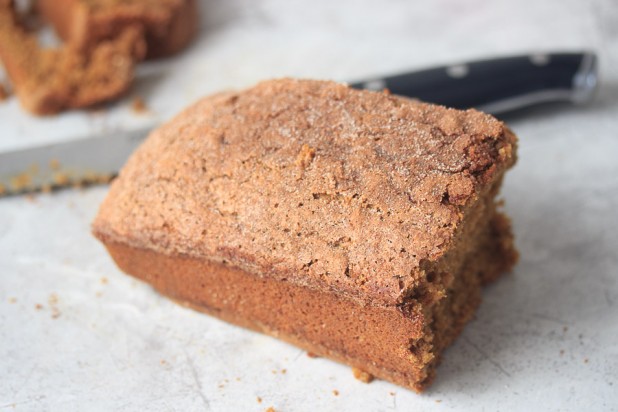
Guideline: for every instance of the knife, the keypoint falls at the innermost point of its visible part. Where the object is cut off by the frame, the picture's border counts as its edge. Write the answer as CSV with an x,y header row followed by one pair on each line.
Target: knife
x,y
495,86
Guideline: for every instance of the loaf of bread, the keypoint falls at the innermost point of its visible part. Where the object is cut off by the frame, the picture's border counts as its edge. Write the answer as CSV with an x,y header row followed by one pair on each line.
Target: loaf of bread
x,y
358,225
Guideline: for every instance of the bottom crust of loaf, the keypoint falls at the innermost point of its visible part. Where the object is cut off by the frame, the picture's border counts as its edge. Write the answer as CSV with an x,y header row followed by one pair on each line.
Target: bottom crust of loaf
x,y
391,343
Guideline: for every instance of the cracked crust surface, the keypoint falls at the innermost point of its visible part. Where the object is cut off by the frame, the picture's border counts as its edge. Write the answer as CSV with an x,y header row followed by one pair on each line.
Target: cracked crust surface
x,y
310,182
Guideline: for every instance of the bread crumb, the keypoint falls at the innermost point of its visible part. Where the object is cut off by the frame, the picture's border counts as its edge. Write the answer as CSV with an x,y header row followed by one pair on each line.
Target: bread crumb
x,y
270,409
305,156
312,355
138,105
438,400
12,300
284,371
362,376
61,179
259,400
104,280
335,392
585,360
53,301
38,306
163,362
392,393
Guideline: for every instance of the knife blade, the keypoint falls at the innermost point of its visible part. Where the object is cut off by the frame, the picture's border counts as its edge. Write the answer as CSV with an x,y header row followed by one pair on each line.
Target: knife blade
x,y
495,86
75,162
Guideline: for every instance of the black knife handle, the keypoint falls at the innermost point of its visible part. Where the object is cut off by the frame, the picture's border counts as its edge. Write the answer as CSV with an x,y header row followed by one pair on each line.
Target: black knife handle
x,y
499,85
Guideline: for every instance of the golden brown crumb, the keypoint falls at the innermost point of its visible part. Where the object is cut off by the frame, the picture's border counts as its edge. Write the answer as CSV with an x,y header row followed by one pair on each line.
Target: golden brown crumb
x,y
438,400
61,179
259,400
104,280
12,300
274,372
305,156
270,409
284,371
138,106
335,392
392,393
53,299
21,181
4,94
362,376
38,306
312,355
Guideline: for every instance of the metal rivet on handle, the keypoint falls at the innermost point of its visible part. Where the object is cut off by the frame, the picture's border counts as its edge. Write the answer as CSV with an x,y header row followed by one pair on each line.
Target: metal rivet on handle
x,y
539,59
458,71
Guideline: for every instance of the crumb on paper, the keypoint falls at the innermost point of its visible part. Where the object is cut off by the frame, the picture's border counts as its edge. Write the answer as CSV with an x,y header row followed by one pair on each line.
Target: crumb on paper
x,y
258,399
392,393
53,301
13,300
163,362
284,371
561,352
565,329
312,355
104,280
362,376
38,306
270,409
335,392
98,294
238,379
438,400
586,360
138,105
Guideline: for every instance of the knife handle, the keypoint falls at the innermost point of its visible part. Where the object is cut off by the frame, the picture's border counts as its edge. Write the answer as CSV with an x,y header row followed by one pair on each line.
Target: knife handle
x,y
499,85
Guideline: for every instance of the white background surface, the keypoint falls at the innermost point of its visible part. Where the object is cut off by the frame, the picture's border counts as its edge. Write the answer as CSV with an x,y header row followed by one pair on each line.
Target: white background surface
x,y
545,338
